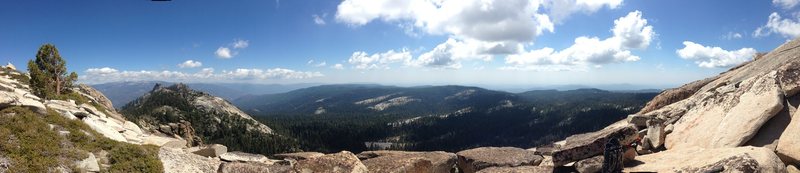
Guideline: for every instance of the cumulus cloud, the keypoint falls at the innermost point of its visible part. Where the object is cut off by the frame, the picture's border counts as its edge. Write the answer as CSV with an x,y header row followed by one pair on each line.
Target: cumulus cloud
x,y
190,64
786,4
786,27
318,19
561,9
450,53
484,20
363,60
107,74
225,52
630,32
714,57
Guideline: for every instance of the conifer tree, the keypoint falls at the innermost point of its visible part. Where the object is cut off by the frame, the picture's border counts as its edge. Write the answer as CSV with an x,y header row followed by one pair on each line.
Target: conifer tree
x,y
49,78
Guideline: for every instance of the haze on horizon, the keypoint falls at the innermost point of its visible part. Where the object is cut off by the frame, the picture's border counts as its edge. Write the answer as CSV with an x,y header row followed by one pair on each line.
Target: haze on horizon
x,y
511,43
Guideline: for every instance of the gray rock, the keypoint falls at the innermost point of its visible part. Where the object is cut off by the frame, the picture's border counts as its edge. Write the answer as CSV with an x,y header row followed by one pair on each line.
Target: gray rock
x,y
177,161
590,165
582,146
519,169
638,120
403,161
789,142
696,159
342,162
88,164
474,160
245,157
655,132
214,150
242,167
298,156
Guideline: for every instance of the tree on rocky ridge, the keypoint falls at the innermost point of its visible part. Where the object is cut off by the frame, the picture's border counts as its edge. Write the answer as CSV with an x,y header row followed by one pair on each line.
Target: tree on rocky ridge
x,y
49,78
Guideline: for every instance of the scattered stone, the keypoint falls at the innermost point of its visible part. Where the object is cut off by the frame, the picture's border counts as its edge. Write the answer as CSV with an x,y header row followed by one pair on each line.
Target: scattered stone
x,y
696,159
582,146
590,165
342,162
214,150
518,169
298,156
473,160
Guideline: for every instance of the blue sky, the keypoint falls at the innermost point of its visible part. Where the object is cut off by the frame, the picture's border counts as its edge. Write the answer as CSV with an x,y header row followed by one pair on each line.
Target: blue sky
x,y
408,42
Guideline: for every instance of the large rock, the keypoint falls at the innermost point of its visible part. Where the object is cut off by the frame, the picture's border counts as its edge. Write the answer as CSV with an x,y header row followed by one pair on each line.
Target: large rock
x,y
164,141
402,161
582,146
590,165
342,162
671,96
789,78
298,155
178,161
103,128
214,150
96,96
789,142
245,157
655,132
696,159
240,167
519,169
88,164
474,160
729,115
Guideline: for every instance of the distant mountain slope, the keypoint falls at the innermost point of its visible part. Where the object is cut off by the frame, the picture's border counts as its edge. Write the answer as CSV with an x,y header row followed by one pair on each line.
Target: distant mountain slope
x,y
203,118
120,93
343,117
374,99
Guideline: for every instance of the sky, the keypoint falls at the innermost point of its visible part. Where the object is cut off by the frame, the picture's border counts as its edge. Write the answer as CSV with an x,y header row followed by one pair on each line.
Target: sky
x,y
660,43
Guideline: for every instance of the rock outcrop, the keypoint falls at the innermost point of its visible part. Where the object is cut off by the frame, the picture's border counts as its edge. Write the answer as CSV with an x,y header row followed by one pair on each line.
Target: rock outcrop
x,y
403,161
474,160
342,162
696,159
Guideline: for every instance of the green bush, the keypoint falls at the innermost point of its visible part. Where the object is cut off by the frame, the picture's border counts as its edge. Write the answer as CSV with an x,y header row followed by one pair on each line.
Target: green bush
x,y
27,140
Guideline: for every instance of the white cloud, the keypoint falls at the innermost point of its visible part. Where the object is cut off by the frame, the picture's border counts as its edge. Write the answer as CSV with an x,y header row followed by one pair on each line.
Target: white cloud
x,y
484,20
337,66
240,44
450,53
732,35
630,32
190,64
318,20
789,28
714,57
363,60
224,52
562,9
320,64
107,74
786,4
633,30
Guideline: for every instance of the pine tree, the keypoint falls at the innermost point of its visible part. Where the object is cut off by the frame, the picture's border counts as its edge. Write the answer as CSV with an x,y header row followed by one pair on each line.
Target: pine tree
x,y
49,78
